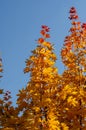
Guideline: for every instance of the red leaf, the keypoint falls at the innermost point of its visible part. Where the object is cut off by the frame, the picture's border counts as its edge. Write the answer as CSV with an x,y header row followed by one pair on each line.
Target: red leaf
x,y
40,40
47,35
47,29
72,10
44,26
84,25
42,32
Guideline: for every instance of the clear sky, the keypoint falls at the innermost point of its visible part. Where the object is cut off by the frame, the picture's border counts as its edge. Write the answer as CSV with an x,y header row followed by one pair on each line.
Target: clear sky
x,y
20,24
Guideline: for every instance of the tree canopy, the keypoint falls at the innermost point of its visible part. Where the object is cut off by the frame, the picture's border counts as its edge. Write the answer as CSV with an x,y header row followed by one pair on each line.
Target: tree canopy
x,y
51,101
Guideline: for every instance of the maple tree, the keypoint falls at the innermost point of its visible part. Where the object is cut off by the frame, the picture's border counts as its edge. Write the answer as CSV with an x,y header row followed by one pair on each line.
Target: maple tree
x,y
1,92
37,98
9,119
51,101
74,76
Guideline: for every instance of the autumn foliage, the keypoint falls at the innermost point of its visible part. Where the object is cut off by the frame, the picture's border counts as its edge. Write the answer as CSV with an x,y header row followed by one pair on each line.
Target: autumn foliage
x,y
51,101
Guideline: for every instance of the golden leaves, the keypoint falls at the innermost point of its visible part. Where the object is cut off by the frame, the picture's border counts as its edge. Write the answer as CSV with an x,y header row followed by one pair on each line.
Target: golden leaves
x,y
50,101
26,70
47,71
64,126
72,101
42,85
48,45
69,93
37,109
53,122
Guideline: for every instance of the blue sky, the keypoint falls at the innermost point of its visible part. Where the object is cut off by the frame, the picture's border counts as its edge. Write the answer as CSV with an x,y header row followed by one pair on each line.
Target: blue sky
x,y
20,24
